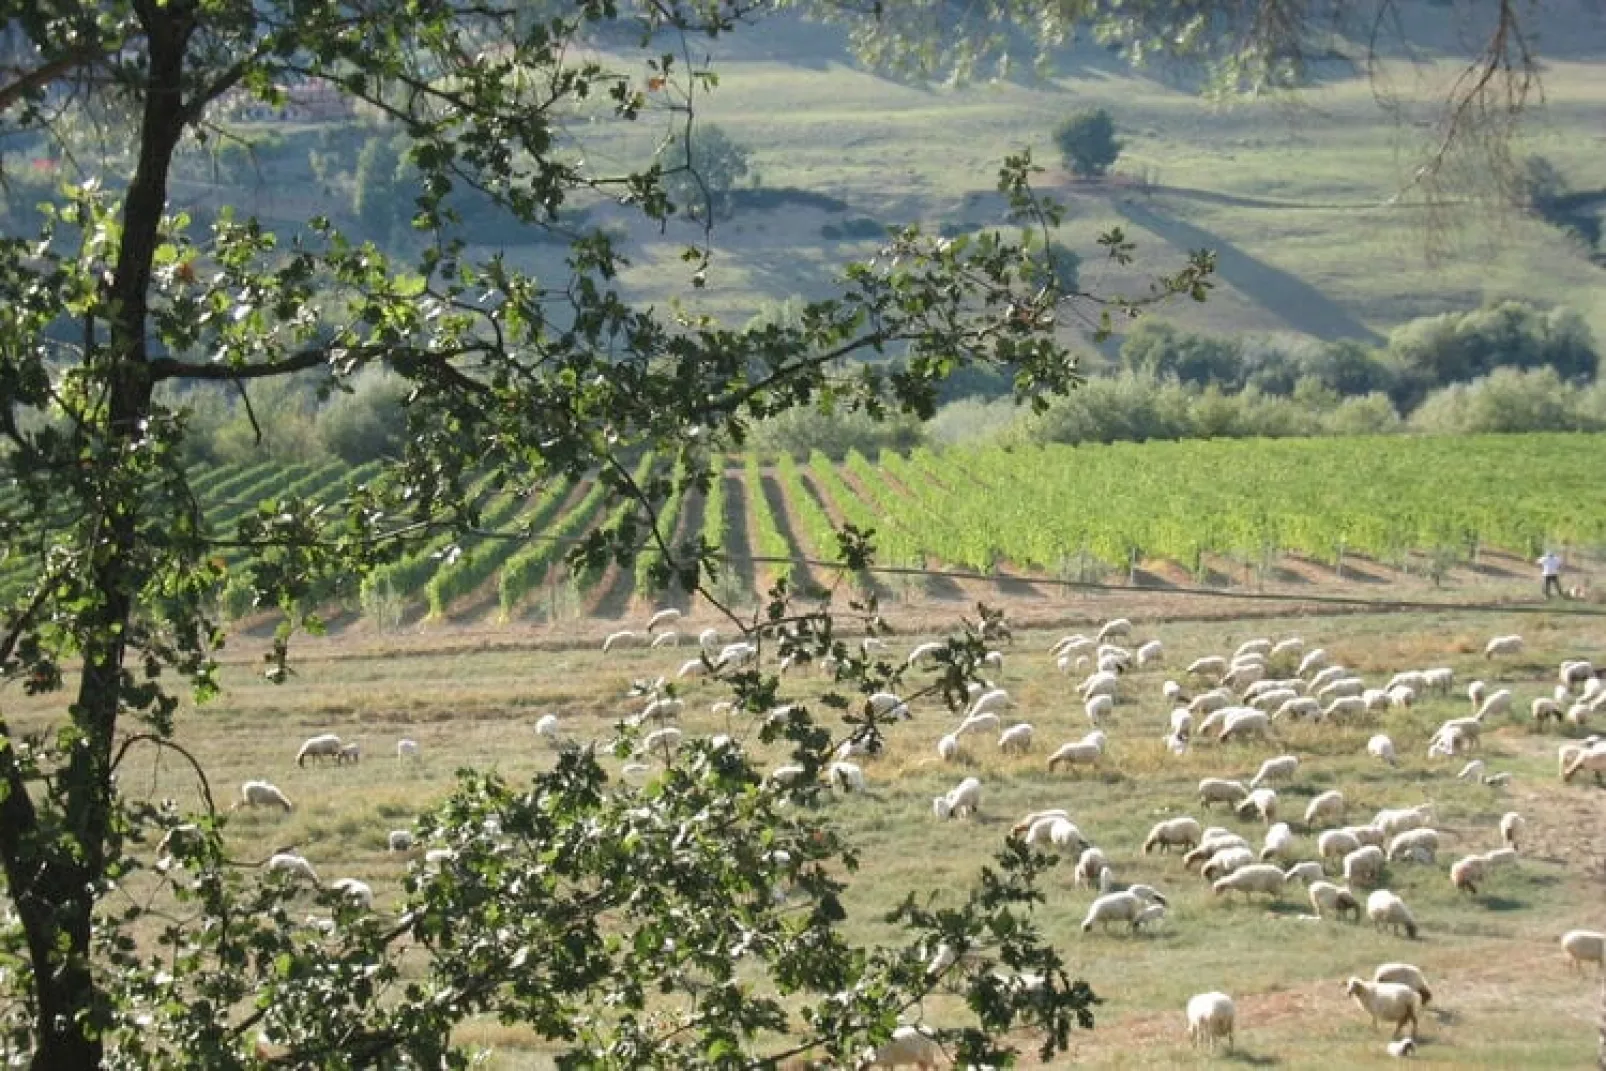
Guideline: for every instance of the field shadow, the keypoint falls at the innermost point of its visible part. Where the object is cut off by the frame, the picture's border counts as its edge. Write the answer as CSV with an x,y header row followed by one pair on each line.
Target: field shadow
x,y
1299,304
1018,588
1143,578
1501,903
1250,1059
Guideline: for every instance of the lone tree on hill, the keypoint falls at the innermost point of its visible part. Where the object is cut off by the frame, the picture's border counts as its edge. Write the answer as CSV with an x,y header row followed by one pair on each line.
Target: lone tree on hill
x,y
1087,142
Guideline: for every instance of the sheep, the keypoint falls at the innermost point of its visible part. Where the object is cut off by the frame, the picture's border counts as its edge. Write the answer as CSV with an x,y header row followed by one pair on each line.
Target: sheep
x,y
1212,845
1407,975
323,746
399,840
622,636
1181,723
1342,687
708,638
1592,760
436,858
407,748
735,655
1389,1001
1244,721
1016,738
1271,699
909,1046
1419,845
1544,707
1502,645
923,651
1059,832
664,740
665,639
1381,747
1289,645
1210,1016
1254,878
1279,842
359,892
1089,866
1375,699
1124,906
1497,702
1511,826
963,800
1313,660
1399,819
1086,750
1279,769
1215,790
789,774
1225,862
1073,643
1386,909
1172,691
991,701
1307,870
1439,678
349,754
1183,832
1209,666
1033,817
1244,674
1151,652
1097,707
1149,915
1336,843
1364,866
1345,706
1300,707
1401,1047
1214,699
1261,803
293,864
1413,679
845,777
263,794
1102,682
1327,898
1584,946
948,747
1120,626
1401,697
1466,872
1327,676
1327,807
662,617
987,722
1500,857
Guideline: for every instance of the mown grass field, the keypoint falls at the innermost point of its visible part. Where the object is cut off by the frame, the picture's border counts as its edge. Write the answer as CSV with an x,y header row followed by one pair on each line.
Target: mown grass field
x,y
1503,997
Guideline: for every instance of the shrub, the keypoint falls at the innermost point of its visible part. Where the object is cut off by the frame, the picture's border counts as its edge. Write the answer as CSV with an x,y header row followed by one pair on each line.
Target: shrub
x,y
701,177
367,423
1087,142
803,430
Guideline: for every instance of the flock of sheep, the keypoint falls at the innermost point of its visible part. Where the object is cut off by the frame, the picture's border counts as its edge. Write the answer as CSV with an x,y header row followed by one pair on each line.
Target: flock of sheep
x,y
1220,699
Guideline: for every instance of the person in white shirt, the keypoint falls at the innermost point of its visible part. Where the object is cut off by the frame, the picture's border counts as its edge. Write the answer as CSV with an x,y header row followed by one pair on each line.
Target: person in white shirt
x,y
1550,568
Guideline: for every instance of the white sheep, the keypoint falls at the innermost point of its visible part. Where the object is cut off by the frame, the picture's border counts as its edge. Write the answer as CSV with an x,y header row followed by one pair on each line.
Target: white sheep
x,y
1097,708
1496,702
1271,699
322,746
692,667
399,840
1182,832
1244,721
1342,687
293,864
349,754
1016,739
1336,843
1288,645
1327,676
615,638
1149,653
663,617
1214,699
708,638
1468,871
1364,866
1399,819
665,740
845,777
1120,626
1371,833
1279,842
1584,946
1124,906
1181,722
407,748
1216,790
1511,827
1575,670
1381,747
1211,1016
1419,845
1590,760
1327,807
1057,831
1209,666
665,639
1300,707
1254,878
1214,842
1545,707
359,892
1307,871
1079,752
1280,768
1388,1001
1313,660
909,1046
963,800
948,747
1261,804
263,794
1329,899
1226,861
1102,682
1405,974
1090,866
1502,645
1439,678
1386,909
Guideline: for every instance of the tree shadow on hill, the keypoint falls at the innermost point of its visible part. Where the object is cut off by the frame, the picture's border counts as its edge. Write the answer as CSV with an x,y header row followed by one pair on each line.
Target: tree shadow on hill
x,y
1248,1059
1302,306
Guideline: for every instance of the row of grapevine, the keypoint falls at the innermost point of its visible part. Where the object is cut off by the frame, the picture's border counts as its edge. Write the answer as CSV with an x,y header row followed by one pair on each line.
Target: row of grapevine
x,y
768,542
652,555
480,562
524,571
894,543
642,473
812,525
409,573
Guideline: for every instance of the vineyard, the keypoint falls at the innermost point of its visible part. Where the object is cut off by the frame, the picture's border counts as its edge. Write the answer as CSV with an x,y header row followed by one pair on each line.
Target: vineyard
x,y
1086,512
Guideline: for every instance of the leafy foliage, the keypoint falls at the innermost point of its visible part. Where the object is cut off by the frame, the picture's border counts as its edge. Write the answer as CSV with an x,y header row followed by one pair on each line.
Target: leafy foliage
x,y
1087,142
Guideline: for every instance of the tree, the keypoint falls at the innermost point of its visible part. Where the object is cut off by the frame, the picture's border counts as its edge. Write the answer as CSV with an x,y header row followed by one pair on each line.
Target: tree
x,y
702,169
116,308
1087,142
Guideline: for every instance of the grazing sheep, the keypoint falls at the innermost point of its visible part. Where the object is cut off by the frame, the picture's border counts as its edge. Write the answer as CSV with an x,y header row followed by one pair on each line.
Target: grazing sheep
x,y
1289,645
1466,872
845,777
1592,760
1033,817
1371,833
1300,707
1401,1047
1419,845
1364,866
1342,687
407,748
1345,706
1439,678
399,840
1148,916
1090,866
1584,946
1097,707
1086,750
980,723
1511,826
1279,842
1496,702
923,651
614,638
948,747
692,667
665,740
1405,974
1209,666
322,746
1475,692
359,892
662,617
1151,652
1058,832
1124,906
1244,721
1327,807
1574,671
1226,861
1313,660
909,1046
1279,769
1254,878
1101,683
1261,803
1183,832
1212,845
1243,674
1336,843
1388,1001
1210,1016
1259,646
1545,707
1500,857
1120,626
963,800
1386,909
1215,699
1328,676
991,701
1016,739
439,857
262,794
789,774
1308,871
1329,899
1502,645
1399,819
1272,699
293,864
1181,723
708,638
665,639
1215,790
1400,697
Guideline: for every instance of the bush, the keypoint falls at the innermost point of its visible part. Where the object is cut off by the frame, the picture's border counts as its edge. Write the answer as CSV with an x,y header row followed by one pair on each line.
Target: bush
x,y
367,423
1160,350
972,421
1459,347
1087,142
1507,400
803,430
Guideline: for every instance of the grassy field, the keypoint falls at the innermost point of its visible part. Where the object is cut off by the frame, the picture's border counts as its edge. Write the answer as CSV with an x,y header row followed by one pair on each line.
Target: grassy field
x,y
1502,995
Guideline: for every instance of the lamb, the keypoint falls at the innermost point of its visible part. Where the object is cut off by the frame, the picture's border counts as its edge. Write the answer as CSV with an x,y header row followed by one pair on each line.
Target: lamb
x,y
407,748
1279,842
1254,878
1327,898
1475,691
1261,803
1502,645
963,800
1278,769
1364,866
1210,1016
909,1046
1016,738
263,794
1336,843
1184,832
1407,975
1151,652
1078,752
1215,790
1097,707
1419,845
1466,872
1386,909
1090,865
323,746
1584,946
1511,826
1172,691
399,840
1388,1001
1327,807
293,864
359,892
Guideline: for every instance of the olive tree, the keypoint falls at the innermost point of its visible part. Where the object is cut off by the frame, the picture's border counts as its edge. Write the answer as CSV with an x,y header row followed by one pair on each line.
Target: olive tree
x,y
693,922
